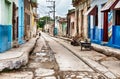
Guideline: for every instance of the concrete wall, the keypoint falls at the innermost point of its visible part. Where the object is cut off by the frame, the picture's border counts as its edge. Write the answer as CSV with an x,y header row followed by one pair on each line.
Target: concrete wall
x,y
5,25
82,19
33,25
27,21
72,19
60,29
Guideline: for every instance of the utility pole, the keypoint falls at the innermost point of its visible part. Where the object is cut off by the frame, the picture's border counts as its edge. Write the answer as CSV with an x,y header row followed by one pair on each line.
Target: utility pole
x,y
54,15
53,10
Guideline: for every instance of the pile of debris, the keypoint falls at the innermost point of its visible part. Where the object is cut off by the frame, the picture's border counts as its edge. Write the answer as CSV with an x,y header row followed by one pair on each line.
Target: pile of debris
x,y
76,40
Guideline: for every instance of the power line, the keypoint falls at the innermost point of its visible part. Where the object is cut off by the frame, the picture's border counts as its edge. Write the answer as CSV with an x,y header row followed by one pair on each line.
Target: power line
x,y
52,7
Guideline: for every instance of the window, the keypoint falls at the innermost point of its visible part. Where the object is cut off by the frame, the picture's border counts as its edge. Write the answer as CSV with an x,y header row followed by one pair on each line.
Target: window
x,y
117,22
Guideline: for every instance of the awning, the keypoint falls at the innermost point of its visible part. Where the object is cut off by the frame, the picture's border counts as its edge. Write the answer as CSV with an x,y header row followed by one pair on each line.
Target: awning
x,y
109,5
118,5
92,11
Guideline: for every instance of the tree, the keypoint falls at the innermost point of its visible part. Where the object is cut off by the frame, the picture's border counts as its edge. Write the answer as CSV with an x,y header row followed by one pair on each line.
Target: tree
x,y
42,21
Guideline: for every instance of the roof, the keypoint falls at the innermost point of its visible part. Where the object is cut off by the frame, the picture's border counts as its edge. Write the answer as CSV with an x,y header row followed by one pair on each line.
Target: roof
x,y
109,5
117,5
90,11
71,11
62,20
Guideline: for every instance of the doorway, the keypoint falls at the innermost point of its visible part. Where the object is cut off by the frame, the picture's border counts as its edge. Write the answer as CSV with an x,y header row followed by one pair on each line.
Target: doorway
x,y
15,22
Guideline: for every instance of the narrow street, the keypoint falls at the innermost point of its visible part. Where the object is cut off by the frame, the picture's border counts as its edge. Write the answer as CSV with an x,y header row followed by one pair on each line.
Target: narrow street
x,y
51,60
59,39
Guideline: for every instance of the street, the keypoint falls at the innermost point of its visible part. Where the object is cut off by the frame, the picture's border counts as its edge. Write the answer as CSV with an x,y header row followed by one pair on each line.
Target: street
x,y
59,39
51,60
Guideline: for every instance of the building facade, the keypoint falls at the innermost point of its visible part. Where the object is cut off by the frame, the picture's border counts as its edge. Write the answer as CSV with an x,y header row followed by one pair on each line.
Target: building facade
x,y
104,22
11,23
71,29
30,15
33,25
111,27
62,25
5,25
81,7
96,21
12,29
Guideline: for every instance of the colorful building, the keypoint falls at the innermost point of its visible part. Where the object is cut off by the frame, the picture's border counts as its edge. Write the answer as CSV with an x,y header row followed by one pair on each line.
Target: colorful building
x,y
30,15
34,16
104,22
11,23
95,23
57,30
111,26
5,25
62,31
12,30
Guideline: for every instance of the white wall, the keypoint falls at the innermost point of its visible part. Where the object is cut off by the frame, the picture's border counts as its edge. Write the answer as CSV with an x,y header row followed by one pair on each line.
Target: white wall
x,y
100,14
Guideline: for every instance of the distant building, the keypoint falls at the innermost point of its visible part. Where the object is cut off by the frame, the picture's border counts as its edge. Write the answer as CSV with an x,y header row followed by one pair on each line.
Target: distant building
x,y
62,31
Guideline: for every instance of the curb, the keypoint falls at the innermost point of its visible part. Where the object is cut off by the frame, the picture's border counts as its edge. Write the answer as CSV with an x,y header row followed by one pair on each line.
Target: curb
x,y
22,59
102,49
107,50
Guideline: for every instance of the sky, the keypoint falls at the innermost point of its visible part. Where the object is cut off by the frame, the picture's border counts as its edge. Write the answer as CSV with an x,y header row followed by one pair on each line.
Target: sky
x,y
62,7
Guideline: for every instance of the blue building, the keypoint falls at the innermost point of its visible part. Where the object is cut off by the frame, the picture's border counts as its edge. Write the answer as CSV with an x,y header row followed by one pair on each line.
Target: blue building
x,y
21,22
5,25
104,22
95,21
111,12
11,23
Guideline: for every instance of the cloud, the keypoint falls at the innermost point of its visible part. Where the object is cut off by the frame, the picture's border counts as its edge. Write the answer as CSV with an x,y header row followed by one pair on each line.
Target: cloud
x,y
62,6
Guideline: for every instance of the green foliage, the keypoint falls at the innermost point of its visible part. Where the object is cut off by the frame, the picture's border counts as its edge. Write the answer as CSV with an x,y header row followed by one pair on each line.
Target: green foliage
x,y
42,21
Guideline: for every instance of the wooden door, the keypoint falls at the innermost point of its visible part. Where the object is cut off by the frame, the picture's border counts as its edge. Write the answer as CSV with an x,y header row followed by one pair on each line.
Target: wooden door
x,y
105,27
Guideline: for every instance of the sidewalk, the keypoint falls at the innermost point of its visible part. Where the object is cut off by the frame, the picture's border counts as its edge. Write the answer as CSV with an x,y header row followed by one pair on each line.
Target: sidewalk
x,y
102,49
108,66
16,57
